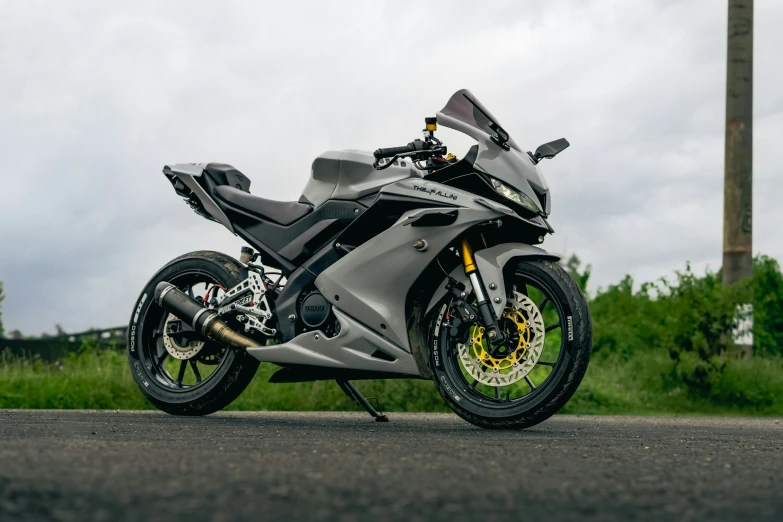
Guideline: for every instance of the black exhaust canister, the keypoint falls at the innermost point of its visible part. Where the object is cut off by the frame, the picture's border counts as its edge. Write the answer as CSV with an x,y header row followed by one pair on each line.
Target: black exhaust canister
x,y
202,319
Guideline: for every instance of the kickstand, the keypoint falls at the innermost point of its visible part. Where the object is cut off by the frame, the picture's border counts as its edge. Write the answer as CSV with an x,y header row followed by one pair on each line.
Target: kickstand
x,y
355,395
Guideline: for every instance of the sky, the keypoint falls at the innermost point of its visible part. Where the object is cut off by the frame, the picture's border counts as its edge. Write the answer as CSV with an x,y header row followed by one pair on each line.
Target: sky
x,y
95,97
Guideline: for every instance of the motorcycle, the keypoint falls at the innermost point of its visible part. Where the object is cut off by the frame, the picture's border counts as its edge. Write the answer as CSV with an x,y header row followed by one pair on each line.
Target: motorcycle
x,y
403,263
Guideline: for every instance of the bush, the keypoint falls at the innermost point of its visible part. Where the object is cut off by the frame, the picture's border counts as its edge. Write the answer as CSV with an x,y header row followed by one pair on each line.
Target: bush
x,y
768,306
690,318
625,321
700,312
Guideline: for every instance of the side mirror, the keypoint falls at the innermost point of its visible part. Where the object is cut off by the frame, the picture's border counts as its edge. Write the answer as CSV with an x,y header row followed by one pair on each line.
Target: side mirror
x,y
549,150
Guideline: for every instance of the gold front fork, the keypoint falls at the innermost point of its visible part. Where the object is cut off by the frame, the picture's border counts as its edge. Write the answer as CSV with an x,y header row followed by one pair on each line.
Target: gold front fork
x,y
467,257
487,316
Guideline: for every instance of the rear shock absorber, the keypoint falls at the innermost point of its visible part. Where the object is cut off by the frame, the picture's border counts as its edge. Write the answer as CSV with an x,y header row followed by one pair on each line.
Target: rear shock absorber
x,y
487,315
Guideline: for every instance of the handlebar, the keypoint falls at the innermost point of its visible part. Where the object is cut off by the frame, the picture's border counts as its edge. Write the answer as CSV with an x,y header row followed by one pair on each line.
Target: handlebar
x,y
393,151
417,150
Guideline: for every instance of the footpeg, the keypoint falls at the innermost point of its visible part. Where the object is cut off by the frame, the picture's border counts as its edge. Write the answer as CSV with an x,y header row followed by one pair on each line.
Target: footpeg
x,y
355,395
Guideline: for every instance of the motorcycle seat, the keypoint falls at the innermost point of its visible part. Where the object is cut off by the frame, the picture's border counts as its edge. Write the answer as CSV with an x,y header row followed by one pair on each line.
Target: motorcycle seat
x,y
223,174
280,212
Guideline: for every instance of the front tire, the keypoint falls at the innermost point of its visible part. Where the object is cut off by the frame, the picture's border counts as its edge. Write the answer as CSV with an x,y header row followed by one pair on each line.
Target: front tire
x,y
210,376
565,331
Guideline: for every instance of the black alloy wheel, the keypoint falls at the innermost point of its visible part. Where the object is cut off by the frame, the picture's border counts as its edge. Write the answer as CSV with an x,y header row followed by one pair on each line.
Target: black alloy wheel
x,y
177,369
535,371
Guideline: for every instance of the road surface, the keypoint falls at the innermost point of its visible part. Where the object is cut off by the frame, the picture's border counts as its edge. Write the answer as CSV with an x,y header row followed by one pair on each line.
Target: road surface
x,y
117,466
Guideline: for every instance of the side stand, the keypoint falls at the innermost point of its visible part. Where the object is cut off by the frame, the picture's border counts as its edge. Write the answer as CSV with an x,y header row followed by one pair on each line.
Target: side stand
x,y
355,395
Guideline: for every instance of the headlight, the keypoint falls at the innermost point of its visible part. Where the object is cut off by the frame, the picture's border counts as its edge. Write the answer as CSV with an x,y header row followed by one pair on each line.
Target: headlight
x,y
514,195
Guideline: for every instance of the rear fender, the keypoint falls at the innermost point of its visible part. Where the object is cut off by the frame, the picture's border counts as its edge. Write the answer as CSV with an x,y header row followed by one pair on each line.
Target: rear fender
x,y
490,263
204,204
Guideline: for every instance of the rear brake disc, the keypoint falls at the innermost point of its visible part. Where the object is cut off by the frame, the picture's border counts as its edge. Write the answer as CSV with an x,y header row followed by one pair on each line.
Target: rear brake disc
x,y
177,348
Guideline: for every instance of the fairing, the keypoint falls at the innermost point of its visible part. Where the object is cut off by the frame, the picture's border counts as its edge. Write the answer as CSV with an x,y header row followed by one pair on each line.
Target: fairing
x,y
464,113
349,175
369,286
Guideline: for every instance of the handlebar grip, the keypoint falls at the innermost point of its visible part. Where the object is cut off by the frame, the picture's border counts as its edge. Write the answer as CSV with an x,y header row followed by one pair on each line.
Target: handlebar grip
x,y
393,151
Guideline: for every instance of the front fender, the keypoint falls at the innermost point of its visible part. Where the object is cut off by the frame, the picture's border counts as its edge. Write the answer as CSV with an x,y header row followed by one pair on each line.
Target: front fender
x,y
490,263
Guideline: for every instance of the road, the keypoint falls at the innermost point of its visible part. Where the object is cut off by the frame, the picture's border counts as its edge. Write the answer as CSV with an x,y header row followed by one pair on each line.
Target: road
x,y
117,466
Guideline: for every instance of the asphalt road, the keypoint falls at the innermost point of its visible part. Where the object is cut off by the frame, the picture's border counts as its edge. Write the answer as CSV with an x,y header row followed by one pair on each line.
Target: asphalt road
x,y
113,466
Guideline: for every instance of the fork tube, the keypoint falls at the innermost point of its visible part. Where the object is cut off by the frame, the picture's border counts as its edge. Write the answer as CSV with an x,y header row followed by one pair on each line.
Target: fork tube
x,y
487,317
467,257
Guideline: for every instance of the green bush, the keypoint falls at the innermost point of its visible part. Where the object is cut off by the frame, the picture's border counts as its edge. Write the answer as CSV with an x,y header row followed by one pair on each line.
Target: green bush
x,y
700,312
689,318
627,321
768,306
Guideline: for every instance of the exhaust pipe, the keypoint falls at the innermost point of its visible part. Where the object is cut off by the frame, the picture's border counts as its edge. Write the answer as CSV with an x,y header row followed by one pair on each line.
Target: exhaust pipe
x,y
203,320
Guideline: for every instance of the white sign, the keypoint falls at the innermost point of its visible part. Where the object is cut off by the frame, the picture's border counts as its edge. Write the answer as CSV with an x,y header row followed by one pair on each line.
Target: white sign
x,y
742,331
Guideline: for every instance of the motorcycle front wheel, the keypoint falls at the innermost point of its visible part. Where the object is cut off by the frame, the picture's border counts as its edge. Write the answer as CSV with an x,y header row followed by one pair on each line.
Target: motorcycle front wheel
x,y
539,366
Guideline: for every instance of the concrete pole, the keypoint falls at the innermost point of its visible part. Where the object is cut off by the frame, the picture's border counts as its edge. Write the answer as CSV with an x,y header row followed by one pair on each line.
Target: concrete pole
x,y
738,178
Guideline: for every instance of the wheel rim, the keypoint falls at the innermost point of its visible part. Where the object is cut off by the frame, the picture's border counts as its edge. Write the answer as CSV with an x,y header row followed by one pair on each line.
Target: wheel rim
x,y
194,368
533,383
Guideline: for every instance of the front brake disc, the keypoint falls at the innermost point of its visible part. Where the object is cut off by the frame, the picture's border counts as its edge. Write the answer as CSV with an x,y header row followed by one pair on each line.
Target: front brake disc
x,y
478,361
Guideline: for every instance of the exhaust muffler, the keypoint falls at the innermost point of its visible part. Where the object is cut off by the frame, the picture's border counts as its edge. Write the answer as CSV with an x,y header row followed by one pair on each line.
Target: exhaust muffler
x,y
203,320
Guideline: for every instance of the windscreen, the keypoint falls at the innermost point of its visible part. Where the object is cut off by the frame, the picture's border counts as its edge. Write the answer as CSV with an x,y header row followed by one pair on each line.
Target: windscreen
x,y
466,108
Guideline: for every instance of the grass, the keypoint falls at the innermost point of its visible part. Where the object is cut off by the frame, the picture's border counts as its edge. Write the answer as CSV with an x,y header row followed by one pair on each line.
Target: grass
x,y
646,384
100,379
643,384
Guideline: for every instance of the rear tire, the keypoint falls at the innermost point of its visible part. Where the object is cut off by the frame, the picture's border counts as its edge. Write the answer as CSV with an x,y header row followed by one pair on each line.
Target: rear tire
x,y
147,354
462,393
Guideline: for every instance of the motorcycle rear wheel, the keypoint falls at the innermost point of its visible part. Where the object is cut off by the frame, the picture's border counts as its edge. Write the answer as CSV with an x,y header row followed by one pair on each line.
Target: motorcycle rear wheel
x,y
564,327
210,376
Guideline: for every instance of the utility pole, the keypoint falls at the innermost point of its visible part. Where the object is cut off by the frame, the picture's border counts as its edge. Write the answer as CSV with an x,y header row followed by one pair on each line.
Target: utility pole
x,y
738,177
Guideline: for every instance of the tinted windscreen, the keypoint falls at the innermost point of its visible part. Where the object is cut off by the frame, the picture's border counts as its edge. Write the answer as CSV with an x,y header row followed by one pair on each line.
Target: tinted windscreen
x,y
463,106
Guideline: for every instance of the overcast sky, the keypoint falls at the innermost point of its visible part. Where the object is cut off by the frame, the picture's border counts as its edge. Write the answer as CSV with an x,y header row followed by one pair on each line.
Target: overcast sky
x,y
96,97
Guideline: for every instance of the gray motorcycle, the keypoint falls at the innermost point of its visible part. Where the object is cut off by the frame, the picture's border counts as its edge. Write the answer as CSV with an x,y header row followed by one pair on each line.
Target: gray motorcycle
x,y
403,263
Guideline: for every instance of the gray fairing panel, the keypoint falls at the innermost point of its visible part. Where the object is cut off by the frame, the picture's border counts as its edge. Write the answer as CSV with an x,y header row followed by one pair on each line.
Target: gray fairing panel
x,y
352,348
349,174
511,166
372,282
490,263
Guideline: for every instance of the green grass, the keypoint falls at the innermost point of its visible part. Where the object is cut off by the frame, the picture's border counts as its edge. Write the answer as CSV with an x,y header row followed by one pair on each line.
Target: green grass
x,y
644,384
101,379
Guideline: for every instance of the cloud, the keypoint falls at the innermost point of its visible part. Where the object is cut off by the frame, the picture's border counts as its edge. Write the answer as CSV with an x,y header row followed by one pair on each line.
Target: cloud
x,y
98,97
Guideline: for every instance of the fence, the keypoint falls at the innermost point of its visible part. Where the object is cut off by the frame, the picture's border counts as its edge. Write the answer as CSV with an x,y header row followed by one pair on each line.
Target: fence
x,y
53,348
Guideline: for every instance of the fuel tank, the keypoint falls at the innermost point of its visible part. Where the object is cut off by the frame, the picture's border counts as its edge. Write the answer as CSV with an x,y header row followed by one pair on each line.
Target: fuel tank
x,y
349,174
